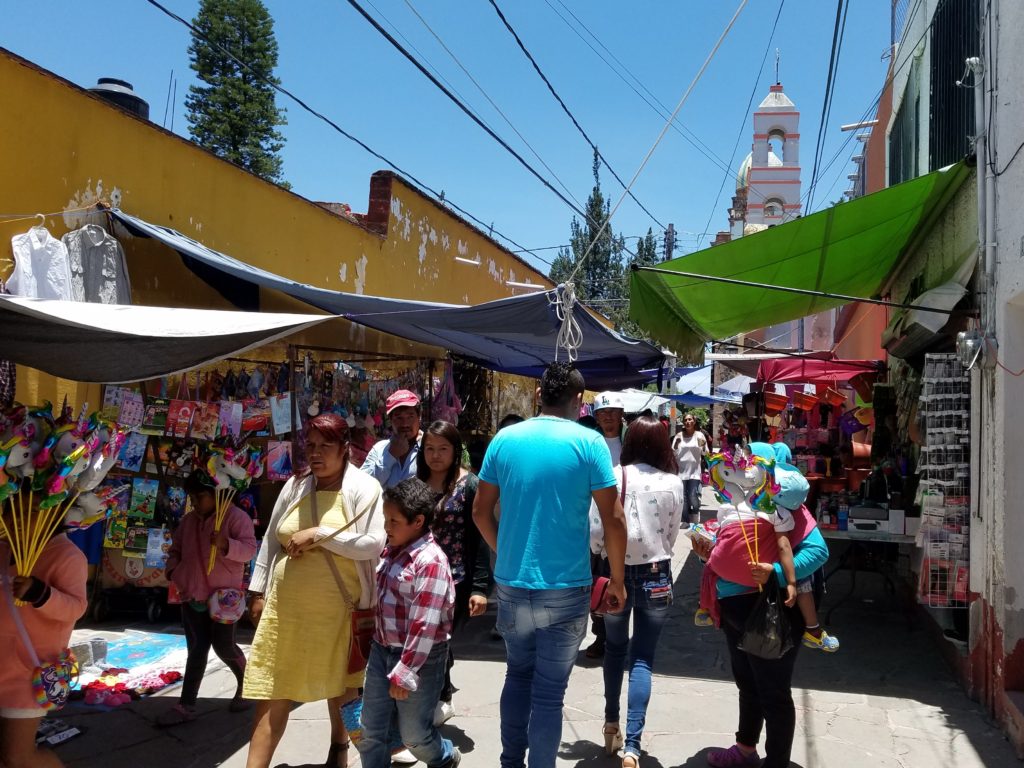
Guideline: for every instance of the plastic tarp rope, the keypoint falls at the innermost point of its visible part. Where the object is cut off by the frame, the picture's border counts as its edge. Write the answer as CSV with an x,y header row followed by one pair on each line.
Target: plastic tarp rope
x,y
110,343
849,249
514,335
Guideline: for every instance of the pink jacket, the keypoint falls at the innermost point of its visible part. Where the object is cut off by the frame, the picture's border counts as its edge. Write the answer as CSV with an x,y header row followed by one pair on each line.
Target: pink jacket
x,y
63,567
190,554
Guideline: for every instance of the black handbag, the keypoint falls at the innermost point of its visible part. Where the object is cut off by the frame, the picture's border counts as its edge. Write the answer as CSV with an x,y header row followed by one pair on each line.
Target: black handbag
x,y
767,633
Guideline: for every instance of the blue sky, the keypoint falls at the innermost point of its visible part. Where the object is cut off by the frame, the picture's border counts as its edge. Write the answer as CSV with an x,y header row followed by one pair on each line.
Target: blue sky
x,y
333,59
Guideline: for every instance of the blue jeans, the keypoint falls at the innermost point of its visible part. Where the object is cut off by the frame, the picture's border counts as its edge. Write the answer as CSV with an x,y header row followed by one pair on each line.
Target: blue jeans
x,y
691,499
543,629
414,716
648,597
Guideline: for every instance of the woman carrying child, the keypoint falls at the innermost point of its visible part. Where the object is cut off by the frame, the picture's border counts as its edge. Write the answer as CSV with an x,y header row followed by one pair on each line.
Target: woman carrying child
x,y
742,560
409,653
211,602
439,465
653,497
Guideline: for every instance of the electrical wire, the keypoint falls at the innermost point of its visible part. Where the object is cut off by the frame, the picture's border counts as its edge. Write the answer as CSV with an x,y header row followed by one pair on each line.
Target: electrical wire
x,y
572,117
664,130
486,228
458,102
490,100
743,125
829,87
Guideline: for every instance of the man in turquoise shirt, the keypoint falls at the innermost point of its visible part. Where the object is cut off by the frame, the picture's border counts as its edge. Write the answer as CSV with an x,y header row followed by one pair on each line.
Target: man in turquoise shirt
x,y
546,471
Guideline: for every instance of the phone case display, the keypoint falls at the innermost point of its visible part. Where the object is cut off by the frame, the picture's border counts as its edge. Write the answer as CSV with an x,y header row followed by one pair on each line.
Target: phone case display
x,y
945,490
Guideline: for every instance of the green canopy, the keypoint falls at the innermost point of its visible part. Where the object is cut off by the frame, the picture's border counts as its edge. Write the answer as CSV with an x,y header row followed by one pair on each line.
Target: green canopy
x,y
848,249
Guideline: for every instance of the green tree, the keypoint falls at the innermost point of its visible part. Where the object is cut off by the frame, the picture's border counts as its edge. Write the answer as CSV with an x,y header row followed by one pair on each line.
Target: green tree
x,y
599,280
233,113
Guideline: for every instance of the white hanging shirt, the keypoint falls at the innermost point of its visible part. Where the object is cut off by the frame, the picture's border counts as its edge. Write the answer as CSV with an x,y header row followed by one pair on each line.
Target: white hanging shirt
x,y
41,269
98,270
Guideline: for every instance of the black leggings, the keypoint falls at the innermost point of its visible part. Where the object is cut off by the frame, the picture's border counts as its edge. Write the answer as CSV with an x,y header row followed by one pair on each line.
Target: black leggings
x,y
766,695
202,633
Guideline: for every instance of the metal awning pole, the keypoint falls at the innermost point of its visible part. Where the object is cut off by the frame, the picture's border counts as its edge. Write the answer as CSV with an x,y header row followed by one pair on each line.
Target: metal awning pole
x,y
801,291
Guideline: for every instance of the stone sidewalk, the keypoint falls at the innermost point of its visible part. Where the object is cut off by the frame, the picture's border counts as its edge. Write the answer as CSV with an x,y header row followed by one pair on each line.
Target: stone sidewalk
x,y
886,700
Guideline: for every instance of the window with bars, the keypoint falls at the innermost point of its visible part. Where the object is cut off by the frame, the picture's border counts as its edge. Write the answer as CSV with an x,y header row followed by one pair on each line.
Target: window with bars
x,y
955,36
905,136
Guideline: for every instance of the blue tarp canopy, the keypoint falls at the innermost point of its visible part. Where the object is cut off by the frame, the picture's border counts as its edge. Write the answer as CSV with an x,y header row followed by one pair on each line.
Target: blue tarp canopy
x,y
513,335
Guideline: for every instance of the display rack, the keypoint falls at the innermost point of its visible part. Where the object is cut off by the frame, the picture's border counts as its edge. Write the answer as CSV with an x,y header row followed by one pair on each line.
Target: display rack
x,y
944,491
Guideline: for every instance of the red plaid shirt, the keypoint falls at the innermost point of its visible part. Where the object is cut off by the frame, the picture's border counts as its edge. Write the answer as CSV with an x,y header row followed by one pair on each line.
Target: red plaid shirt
x,y
415,605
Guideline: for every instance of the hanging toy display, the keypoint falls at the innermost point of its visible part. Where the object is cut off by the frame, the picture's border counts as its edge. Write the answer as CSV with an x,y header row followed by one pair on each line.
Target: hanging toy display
x,y
228,469
47,466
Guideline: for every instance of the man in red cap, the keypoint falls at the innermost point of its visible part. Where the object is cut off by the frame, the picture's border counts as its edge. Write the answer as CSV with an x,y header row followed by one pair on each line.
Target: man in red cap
x,y
393,460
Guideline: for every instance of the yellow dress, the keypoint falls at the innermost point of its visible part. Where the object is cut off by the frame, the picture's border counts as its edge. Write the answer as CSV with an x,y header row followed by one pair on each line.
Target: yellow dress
x,y
301,647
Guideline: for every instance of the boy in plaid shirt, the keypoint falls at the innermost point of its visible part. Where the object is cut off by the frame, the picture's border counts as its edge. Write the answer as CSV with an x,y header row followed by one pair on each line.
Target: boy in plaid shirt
x,y
415,605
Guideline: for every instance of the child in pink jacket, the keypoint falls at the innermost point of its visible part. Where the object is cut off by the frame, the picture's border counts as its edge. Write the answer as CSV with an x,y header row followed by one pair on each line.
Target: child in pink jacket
x,y
55,597
205,624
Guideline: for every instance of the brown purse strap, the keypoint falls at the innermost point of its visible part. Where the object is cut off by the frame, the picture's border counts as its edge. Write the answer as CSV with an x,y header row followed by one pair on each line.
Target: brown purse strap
x,y
345,595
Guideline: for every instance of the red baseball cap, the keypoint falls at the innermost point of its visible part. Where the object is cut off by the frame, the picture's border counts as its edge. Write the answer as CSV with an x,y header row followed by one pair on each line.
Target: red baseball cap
x,y
403,398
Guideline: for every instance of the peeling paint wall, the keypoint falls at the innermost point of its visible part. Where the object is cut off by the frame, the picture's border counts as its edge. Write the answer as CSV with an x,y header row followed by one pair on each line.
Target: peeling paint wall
x,y
66,149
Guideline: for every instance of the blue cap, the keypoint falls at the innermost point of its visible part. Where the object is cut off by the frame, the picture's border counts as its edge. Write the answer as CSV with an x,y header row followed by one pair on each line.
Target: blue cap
x,y
794,486
764,450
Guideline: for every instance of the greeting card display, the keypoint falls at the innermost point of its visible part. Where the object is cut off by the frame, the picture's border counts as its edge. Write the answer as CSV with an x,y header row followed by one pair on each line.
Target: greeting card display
x,y
204,421
136,541
179,418
144,493
281,413
154,419
158,546
133,452
256,417
230,419
133,409
117,529
279,460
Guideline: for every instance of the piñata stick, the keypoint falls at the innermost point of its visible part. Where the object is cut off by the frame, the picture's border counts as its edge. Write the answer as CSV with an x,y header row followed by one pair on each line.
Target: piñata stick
x,y
224,497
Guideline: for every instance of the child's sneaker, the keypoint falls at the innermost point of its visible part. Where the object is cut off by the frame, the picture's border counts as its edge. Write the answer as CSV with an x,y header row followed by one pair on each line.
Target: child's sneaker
x,y
826,642
733,757
702,618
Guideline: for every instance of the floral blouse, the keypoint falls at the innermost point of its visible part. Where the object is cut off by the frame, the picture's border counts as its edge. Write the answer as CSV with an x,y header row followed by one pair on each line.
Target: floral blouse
x,y
457,534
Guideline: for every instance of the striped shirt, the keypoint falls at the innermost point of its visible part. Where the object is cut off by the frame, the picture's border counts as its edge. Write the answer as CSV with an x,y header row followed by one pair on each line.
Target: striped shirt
x,y
415,605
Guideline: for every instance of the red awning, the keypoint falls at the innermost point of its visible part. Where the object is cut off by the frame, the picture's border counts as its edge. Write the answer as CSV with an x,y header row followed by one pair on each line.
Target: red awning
x,y
792,370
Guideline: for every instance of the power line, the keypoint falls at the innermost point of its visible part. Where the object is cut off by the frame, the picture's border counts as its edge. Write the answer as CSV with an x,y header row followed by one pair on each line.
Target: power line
x,y
664,130
334,126
743,124
659,108
565,109
469,113
489,99
826,104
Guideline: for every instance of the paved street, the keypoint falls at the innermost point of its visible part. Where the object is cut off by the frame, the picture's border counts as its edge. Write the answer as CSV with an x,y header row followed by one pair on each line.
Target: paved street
x,y
886,700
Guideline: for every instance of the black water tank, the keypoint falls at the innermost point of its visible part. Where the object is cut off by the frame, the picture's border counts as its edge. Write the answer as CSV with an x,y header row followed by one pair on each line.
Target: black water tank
x,y
120,92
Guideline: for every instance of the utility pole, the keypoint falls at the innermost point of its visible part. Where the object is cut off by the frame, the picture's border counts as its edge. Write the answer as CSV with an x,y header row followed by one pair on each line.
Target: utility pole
x,y
670,241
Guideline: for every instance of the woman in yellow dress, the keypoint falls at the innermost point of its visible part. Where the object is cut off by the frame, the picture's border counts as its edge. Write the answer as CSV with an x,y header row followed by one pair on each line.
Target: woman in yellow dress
x,y
301,649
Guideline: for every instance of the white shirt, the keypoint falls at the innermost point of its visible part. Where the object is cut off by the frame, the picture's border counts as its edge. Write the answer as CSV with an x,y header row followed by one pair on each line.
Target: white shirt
x,y
615,449
688,451
653,509
41,268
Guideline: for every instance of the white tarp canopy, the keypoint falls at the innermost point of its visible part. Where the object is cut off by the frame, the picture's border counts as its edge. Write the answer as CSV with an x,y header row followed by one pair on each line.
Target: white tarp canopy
x,y
111,343
696,382
638,401
734,388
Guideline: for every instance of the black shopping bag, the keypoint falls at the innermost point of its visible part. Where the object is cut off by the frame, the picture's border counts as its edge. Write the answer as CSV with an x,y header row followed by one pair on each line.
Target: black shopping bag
x,y
767,631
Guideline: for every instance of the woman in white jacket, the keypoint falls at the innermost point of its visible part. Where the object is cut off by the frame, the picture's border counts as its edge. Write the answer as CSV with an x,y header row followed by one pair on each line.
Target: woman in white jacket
x,y
311,581
652,500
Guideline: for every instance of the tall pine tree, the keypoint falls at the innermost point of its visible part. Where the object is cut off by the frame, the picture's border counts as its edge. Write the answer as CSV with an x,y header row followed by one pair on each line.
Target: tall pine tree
x,y
600,277
233,114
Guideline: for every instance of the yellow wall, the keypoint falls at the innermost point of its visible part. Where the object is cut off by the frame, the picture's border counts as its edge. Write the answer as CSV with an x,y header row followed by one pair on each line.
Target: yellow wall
x,y
63,149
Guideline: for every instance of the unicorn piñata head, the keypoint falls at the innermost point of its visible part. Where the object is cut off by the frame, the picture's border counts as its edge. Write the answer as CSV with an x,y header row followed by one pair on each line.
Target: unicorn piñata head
x,y
754,475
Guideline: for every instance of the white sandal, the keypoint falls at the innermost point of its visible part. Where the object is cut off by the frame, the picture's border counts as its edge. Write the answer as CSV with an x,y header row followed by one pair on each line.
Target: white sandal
x,y
613,738
629,760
